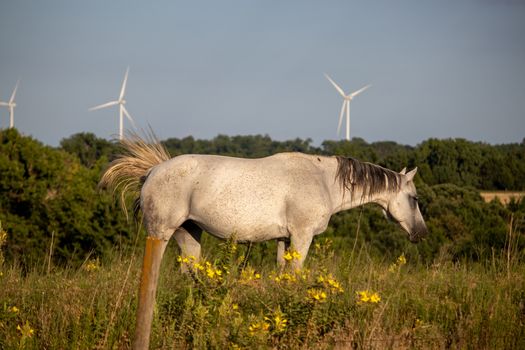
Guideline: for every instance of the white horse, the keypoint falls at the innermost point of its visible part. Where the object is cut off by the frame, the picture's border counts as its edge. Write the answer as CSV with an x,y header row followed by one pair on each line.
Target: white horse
x,y
288,197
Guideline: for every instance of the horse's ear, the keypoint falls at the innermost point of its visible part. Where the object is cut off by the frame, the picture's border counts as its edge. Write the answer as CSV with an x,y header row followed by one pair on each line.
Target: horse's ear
x,y
410,175
404,171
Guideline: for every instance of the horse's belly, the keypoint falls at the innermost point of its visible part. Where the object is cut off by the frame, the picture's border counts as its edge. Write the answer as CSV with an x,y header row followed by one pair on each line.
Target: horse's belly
x,y
243,223
240,199
243,233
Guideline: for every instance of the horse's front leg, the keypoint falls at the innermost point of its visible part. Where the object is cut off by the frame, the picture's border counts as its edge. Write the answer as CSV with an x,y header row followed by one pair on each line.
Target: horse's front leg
x,y
300,243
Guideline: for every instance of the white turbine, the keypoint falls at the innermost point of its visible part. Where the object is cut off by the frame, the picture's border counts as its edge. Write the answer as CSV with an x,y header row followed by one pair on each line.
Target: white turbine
x,y
346,105
11,106
122,110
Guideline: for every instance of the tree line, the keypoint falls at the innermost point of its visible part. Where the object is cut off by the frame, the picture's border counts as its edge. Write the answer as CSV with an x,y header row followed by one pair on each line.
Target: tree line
x,y
50,202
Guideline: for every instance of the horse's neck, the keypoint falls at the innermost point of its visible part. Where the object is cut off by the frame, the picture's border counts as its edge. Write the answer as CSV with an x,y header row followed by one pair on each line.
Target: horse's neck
x,y
344,199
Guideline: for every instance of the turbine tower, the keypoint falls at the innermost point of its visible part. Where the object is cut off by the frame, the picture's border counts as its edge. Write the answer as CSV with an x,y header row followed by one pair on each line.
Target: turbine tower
x,y
11,106
122,110
346,105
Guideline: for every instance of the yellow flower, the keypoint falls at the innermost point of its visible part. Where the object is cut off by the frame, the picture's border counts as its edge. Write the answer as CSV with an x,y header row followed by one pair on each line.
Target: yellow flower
x,y
278,321
331,282
26,330
3,236
248,274
375,298
91,266
258,327
285,277
401,260
183,260
210,273
235,306
292,255
317,295
335,285
303,274
364,296
198,266
14,309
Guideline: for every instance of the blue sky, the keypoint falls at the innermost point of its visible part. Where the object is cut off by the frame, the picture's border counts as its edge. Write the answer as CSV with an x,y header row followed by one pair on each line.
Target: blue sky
x,y
438,68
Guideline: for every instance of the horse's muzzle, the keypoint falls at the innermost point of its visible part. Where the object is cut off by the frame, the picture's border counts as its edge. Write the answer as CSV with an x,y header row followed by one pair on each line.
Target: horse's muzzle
x,y
418,233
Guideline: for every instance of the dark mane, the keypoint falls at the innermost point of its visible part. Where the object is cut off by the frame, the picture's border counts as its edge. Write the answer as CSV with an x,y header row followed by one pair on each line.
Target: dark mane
x,y
371,178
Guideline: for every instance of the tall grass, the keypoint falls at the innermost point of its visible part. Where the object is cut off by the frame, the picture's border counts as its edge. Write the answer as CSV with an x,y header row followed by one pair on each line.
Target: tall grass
x,y
340,301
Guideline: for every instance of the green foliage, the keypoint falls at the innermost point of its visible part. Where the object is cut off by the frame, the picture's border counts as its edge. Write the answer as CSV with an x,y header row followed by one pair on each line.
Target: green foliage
x,y
466,225
466,163
88,148
47,192
238,146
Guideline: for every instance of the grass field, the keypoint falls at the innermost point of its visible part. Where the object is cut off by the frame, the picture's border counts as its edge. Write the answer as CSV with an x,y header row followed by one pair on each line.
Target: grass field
x,y
340,301
503,196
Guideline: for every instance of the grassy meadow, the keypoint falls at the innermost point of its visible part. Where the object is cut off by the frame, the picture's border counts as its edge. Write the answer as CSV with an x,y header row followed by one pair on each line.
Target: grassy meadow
x,y
343,300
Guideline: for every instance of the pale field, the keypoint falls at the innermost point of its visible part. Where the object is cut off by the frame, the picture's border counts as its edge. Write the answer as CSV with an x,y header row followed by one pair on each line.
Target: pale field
x,y
503,196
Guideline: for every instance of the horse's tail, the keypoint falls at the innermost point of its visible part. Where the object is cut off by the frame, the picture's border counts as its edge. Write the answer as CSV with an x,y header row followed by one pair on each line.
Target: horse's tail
x,y
127,173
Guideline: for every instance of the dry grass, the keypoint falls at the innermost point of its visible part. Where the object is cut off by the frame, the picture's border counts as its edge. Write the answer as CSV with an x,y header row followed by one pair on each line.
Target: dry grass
x,y
503,196
446,305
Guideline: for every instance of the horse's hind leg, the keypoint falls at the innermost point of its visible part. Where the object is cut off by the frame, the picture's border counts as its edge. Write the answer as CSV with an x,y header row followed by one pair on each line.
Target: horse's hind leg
x,y
153,253
282,246
188,237
159,233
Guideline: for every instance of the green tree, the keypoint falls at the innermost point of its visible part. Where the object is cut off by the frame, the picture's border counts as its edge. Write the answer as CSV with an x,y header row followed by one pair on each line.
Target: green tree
x,y
46,191
88,148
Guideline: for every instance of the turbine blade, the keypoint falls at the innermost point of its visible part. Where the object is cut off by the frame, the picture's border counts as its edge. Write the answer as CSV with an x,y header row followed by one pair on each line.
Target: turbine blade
x,y
123,89
348,120
104,105
129,117
355,93
11,100
4,104
341,117
335,85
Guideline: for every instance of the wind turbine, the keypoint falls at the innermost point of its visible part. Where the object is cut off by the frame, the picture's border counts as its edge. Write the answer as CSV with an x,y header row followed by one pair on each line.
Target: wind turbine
x,y
122,110
11,106
346,105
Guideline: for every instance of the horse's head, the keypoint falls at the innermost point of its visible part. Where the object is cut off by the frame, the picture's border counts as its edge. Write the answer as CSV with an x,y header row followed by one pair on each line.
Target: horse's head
x,y
403,207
